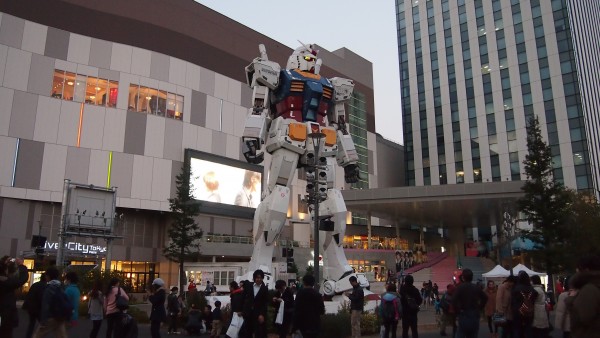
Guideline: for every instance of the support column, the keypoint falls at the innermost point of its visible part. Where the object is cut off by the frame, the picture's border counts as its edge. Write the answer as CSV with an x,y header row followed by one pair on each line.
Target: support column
x,y
397,233
108,260
63,221
369,233
456,239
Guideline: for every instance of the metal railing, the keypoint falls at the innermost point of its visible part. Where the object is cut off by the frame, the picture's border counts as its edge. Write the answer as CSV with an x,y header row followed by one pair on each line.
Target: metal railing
x,y
217,238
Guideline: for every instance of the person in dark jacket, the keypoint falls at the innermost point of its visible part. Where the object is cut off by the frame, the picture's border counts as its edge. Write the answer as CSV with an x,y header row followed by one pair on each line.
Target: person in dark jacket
x,y
522,326
256,300
33,303
13,274
194,321
357,301
174,308
158,313
285,295
48,323
236,293
584,303
469,300
411,299
308,308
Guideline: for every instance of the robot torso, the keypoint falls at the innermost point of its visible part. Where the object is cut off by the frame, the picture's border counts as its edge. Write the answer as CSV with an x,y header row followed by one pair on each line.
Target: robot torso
x,y
302,96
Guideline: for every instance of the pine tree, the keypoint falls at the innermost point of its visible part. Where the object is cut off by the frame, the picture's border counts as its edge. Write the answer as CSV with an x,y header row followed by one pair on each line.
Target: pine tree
x,y
546,202
184,233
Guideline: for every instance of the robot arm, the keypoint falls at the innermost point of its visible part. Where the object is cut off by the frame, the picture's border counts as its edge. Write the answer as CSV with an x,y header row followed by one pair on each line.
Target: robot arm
x,y
262,76
346,154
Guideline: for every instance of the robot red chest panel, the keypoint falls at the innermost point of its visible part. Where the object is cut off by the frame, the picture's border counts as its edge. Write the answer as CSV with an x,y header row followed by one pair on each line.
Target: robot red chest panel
x,y
302,96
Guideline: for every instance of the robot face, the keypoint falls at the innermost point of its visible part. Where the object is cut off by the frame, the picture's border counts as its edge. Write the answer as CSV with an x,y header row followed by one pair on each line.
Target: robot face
x,y
307,62
303,59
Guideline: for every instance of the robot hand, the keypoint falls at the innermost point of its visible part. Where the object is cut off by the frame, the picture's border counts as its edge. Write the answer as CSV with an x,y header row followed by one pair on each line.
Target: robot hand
x,y
351,173
252,151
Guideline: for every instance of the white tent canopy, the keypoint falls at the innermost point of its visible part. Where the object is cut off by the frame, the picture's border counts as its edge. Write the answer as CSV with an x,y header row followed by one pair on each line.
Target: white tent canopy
x,y
496,272
521,267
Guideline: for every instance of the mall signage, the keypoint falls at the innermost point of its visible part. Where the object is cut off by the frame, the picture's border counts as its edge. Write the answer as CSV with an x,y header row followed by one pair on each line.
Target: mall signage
x,y
78,247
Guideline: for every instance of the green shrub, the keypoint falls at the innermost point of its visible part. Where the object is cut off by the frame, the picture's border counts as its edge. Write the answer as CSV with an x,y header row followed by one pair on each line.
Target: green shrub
x,y
369,323
140,316
335,325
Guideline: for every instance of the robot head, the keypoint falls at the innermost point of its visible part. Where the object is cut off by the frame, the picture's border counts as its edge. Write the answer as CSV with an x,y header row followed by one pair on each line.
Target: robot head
x,y
304,58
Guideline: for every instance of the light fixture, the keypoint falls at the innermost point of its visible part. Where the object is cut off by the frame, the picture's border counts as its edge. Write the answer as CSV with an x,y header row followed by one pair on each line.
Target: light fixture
x,y
148,98
70,83
98,88
92,97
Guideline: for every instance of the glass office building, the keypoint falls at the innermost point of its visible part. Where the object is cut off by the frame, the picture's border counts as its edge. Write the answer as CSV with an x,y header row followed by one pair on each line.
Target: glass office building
x,y
473,72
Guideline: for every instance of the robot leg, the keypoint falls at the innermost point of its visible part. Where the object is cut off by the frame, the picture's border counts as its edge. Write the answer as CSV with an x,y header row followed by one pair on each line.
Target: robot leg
x,y
269,219
336,269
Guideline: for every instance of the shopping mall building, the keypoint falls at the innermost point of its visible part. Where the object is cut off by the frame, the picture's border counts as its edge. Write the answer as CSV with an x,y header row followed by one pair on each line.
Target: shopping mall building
x,y
110,95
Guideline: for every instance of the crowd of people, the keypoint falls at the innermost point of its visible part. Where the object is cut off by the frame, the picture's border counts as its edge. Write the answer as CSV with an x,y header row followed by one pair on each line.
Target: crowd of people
x,y
520,306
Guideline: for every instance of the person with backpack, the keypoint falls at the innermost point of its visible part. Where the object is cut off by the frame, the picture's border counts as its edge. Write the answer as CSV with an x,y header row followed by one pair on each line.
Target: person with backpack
x,y
74,294
541,322
55,307
522,305
448,313
33,303
469,300
113,313
173,309
584,305
410,298
390,310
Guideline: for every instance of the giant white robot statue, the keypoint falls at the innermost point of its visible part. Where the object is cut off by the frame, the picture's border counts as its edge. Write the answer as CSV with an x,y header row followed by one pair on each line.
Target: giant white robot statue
x,y
289,105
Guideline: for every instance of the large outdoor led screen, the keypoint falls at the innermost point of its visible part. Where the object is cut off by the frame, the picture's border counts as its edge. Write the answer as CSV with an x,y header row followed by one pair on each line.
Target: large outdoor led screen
x,y
214,180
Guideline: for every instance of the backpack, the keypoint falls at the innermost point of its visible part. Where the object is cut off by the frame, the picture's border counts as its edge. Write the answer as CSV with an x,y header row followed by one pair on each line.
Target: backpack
x,y
412,304
127,327
120,302
61,308
389,309
445,303
526,307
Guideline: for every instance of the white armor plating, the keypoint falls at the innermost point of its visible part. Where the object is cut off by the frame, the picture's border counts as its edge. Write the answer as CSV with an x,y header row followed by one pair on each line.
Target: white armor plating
x,y
289,105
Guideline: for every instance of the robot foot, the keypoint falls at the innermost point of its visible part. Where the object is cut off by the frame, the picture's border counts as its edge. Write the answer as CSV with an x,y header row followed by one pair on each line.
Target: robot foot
x,y
332,287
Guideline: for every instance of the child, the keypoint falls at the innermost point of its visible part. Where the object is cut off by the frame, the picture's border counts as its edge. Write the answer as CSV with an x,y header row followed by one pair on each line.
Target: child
x,y
207,318
216,320
437,305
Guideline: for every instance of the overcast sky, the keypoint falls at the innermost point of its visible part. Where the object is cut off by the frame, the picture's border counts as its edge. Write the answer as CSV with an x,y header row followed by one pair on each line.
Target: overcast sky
x,y
366,28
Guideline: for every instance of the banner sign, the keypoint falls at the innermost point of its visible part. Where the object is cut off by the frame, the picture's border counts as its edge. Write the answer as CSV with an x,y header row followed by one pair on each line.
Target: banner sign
x,y
79,247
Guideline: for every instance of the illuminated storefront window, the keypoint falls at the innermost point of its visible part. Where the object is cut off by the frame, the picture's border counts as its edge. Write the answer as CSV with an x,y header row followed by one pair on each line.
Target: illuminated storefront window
x,y
377,243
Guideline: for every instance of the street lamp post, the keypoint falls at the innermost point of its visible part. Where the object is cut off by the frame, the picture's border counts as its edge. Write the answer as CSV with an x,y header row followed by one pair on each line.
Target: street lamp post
x,y
314,197
509,229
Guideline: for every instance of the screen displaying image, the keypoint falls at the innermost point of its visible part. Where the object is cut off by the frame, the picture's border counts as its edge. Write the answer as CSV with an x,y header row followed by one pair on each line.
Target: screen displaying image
x,y
220,183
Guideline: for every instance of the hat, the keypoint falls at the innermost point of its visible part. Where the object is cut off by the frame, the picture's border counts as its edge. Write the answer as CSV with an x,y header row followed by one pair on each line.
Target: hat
x,y
159,282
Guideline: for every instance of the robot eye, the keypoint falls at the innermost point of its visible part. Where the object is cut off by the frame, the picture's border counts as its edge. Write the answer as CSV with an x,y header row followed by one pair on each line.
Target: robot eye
x,y
309,58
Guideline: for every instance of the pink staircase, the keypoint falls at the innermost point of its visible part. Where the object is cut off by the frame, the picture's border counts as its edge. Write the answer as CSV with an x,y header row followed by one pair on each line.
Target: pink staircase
x,y
442,272
432,259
